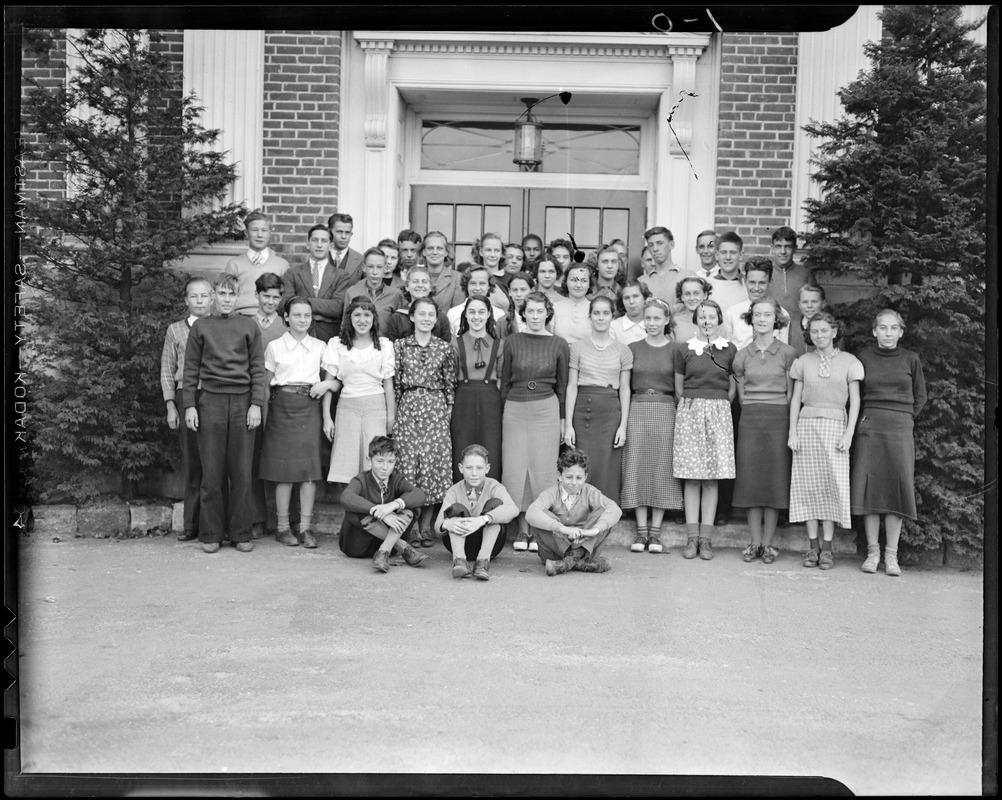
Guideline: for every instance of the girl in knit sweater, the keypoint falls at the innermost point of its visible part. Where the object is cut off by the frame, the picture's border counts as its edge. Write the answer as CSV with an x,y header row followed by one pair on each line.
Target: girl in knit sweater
x,y
883,460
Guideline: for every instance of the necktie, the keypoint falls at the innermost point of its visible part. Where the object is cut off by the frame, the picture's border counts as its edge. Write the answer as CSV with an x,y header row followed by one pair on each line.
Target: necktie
x,y
382,491
316,277
257,258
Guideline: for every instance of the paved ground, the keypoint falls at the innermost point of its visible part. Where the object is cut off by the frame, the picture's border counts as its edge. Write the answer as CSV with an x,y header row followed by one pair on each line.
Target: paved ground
x,y
150,656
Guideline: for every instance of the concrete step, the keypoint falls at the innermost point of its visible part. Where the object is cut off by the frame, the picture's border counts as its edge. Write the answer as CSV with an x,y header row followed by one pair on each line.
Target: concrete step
x,y
327,516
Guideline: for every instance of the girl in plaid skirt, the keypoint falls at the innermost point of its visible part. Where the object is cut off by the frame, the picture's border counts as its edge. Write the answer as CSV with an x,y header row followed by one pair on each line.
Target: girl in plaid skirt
x,y
820,437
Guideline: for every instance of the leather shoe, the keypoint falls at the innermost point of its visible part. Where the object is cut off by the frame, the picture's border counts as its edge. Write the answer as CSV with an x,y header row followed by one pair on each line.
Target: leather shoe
x,y
257,530
245,547
691,549
705,548
210,547
308,540
460,568
187,536
381,561
594,564
287,538
412,556
482,571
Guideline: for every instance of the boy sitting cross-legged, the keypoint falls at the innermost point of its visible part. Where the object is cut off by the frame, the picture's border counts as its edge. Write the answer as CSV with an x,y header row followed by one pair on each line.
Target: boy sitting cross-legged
x,y
474,515
378,507
571,520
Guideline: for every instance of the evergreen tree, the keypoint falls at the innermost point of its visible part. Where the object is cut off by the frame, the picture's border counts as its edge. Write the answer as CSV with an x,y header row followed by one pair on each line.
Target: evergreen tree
x,y
142,180
903,209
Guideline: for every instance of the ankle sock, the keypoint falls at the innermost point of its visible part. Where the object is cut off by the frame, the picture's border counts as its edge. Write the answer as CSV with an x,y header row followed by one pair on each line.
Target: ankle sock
x,y
826,545
283,522
692,530
815,545
305,520
705,531
873,549
890,551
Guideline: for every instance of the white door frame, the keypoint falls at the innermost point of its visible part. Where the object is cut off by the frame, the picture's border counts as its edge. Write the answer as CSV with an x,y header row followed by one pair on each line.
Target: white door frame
x,y
376,169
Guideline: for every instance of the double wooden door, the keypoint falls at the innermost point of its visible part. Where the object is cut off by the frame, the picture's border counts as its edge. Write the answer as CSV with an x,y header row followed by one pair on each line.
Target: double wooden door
x,y
592,217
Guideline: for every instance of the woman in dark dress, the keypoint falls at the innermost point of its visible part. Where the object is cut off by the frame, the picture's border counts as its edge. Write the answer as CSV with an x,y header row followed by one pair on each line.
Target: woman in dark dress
x,y
883,468
476,414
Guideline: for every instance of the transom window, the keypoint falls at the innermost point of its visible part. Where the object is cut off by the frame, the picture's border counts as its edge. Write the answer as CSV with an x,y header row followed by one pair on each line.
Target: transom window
x,y
568,148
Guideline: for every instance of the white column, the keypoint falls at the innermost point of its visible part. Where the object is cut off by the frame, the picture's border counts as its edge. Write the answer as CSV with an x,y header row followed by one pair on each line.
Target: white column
x,y
380,128
675,151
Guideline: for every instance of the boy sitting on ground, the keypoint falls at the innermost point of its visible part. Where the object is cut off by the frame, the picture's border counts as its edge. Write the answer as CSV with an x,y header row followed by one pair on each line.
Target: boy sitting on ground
x,y
572,520
378,507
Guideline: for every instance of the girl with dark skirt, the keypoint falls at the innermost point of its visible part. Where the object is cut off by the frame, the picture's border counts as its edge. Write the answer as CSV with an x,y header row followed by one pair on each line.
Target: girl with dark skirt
x,y
476,414
598,398
648,483
425,387
763,459
883,468
290,452
533,389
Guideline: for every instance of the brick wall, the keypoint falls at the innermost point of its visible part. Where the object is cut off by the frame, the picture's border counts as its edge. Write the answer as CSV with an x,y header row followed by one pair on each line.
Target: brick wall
x,y
46,66
758,93
302,74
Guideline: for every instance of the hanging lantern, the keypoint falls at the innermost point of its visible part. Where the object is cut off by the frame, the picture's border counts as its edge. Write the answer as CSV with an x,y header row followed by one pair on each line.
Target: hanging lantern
x,y
528,147
528,150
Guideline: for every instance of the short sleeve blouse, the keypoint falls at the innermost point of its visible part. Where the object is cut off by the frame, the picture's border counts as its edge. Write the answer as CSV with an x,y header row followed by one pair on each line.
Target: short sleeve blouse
x,y
600,367
360,370
826,397
762,373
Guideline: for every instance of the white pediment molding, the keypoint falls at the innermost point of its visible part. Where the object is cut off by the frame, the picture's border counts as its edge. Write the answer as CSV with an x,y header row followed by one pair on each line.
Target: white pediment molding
x,y
595,45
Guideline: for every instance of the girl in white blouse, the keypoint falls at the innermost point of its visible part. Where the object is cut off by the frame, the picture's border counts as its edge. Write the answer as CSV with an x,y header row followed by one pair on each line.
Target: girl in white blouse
x,y
361,363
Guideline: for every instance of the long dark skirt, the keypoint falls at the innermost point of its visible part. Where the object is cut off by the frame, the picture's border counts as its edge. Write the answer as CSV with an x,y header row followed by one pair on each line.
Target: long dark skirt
x,y
763,457
476,419
596,418
290,452
883,464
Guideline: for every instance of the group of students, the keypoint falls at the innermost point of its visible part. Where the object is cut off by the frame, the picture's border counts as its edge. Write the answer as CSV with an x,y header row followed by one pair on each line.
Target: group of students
x,y
535,387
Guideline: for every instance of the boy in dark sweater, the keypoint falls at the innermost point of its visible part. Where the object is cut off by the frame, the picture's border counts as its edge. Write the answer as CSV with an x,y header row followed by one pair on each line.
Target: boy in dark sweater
x,y
224,386
378,510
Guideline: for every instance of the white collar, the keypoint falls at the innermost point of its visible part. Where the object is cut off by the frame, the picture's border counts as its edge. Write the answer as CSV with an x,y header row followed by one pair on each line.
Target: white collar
x,y
251,254
308,342
191,320
698,345
628,323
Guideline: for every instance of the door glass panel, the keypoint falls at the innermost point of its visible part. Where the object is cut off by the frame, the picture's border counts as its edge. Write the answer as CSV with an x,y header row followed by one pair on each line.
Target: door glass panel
x,y
497,219
586,230
558,223
467,223
440,219
569,148
615,224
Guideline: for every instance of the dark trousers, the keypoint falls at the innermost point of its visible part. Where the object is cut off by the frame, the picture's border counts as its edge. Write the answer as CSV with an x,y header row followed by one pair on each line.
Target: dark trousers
x,y
226,448
554,546
192,468
356,541
473,542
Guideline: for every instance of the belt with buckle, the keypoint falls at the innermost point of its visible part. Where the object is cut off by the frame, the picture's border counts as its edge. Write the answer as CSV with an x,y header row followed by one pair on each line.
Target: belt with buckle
x,y
293,388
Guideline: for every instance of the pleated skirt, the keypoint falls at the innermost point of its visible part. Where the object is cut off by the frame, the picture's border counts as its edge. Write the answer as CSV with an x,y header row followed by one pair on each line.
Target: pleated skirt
x,y
357,421
530,444
764,459
647,461
883,464
290,451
